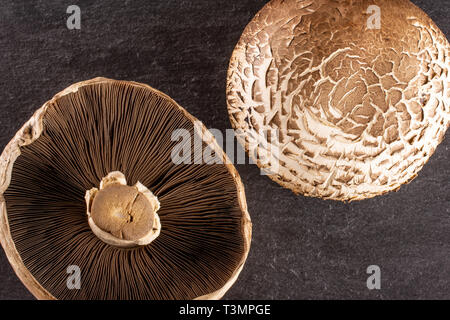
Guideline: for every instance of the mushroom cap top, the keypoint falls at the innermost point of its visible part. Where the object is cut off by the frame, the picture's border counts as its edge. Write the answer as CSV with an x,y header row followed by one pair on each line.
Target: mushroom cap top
x,y
358,110
100,128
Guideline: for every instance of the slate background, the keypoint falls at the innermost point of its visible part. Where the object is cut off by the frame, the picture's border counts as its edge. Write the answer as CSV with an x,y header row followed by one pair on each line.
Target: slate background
x,y
302,248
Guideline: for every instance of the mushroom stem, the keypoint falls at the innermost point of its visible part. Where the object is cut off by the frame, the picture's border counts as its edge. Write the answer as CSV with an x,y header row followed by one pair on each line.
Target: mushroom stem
x,y
121,215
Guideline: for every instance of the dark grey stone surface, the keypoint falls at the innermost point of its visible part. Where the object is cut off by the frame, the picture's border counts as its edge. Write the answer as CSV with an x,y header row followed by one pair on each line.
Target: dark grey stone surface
x,y
302,248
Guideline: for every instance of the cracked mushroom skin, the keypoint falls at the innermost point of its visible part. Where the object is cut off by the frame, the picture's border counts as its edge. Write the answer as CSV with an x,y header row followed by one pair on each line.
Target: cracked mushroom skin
x,y
358,111
89,181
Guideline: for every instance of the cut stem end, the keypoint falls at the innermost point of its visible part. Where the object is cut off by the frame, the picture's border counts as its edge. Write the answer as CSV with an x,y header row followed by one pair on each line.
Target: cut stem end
x,y
121,215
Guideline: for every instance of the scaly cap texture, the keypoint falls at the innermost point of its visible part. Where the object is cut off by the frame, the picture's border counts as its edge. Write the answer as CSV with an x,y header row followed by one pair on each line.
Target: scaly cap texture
x,y
358,111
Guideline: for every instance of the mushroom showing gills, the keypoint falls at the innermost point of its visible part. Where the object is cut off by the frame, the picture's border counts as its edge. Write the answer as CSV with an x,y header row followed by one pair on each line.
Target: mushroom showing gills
x,y
89,181
356,108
